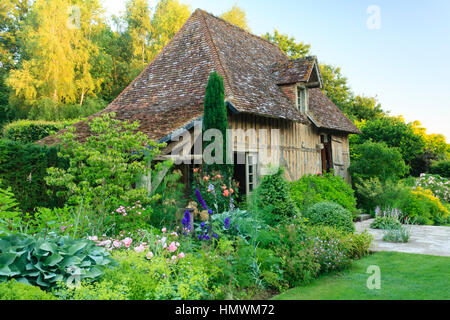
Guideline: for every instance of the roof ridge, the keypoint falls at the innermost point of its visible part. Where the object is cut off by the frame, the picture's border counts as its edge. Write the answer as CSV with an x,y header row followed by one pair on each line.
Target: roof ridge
x,y
216,55
241,29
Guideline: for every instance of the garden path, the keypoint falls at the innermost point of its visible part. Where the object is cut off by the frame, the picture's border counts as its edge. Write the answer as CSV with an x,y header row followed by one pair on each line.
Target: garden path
x,y
430,240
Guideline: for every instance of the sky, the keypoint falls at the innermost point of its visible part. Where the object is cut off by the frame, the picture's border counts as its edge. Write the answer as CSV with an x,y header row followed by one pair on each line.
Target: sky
x,y
396,50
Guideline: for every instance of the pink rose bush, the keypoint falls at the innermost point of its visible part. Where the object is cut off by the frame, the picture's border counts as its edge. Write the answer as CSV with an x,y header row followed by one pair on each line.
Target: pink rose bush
x,y
149,244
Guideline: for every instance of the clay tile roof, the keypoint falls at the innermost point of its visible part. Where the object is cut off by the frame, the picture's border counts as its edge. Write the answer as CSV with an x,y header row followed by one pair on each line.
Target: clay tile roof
x,y
292,71
169,92
324,113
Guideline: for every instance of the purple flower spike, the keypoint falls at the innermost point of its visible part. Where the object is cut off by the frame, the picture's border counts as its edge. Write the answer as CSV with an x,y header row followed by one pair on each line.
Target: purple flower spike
x,y
200,199
227,223
186,221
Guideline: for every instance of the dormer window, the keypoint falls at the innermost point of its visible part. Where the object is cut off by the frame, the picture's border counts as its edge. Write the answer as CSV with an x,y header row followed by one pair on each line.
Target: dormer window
x,y
302,98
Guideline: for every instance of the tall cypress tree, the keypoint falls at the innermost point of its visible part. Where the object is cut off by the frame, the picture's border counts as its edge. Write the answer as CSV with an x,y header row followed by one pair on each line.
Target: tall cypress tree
x,y
215,117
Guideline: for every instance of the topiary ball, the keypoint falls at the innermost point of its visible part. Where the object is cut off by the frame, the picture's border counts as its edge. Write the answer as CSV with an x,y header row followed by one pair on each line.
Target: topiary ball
x,y
330,214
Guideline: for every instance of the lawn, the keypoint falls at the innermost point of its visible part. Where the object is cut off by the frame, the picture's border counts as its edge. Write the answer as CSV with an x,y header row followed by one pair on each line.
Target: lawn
x,y
403,276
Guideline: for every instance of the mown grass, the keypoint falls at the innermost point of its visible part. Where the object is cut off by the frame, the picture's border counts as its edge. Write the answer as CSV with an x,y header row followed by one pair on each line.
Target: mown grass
x,y
403,276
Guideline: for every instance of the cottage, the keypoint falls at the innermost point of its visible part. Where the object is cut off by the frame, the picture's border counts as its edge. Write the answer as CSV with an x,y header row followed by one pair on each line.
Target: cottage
x,y
264,89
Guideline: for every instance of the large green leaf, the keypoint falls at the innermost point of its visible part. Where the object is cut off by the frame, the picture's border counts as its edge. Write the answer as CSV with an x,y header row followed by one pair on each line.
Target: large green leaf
x,y
47,246
70,261
76,247
7,258
41,282
93,273
53,260
5,271
45,262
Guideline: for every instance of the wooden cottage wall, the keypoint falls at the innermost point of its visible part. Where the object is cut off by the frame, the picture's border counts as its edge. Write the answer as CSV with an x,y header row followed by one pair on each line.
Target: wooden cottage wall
x,y
297,143
341,156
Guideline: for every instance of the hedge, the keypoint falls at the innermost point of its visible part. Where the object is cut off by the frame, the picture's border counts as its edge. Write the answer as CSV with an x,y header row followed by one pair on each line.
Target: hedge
x,y
312,189
23,168
27,131
441,168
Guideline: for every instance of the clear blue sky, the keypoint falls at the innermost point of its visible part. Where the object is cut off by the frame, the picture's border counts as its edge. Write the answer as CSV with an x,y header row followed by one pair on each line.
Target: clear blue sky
x,y
405,63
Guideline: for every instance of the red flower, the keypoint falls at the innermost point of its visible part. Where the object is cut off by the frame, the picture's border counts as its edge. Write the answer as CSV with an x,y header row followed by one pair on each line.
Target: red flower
x,y
225,193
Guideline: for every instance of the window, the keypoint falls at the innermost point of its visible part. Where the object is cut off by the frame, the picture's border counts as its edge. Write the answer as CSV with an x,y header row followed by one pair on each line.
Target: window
x,y
302,99
251,171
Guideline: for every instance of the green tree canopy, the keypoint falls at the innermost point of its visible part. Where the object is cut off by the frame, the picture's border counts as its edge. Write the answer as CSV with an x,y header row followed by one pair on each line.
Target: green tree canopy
x,y
236,16
137,17
364,108
288,44
376,159
335,86
395,133
169,17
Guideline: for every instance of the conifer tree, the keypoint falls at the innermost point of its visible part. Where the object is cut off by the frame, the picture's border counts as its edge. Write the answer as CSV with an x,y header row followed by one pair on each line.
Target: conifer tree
x,y
215,117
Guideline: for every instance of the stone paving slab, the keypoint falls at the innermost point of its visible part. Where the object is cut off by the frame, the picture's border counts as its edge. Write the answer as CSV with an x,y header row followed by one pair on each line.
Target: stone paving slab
x,y
430,240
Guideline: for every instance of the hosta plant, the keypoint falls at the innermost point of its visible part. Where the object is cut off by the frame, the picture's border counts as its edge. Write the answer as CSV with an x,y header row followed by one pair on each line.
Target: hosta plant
x,y
46,261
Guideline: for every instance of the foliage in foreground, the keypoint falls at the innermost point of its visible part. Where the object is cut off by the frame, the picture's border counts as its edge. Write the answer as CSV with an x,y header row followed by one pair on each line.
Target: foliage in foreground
x,y
13,290
45,261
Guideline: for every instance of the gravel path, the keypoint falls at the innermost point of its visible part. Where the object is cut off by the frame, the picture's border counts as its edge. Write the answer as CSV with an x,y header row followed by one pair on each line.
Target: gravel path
x,y
424,240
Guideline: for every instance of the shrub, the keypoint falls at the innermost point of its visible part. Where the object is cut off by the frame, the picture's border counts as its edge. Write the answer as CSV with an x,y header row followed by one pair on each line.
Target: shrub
x,y
421,206
329,248
376,159
297,256
110,170
441,168
387,219
172,198
372,193
159,278
385,223
46,261
47,109
101,290
271,199
27,131
330,214
312,189
9,213
358,244
23,168
307,251
438,185
241,223
13,290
